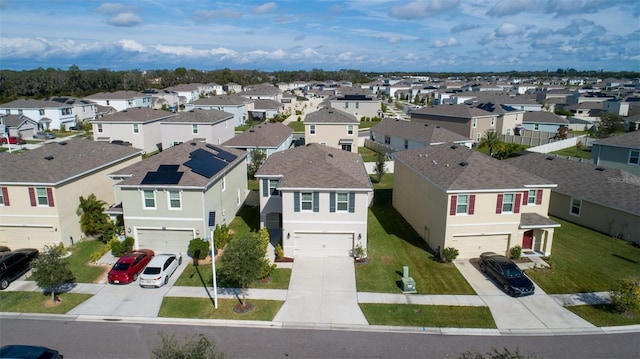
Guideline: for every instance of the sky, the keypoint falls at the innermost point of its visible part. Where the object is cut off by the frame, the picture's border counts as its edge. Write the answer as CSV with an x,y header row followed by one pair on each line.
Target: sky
x,y
365,35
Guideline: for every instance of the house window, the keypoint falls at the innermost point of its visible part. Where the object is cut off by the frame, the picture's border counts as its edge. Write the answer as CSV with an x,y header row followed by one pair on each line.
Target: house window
x,y
474,123
66,111
508,131
634,157
306,201
194,129
357,104
19,112
346,147
536,126
346,105
273,185
174,200
462,204
531,199
406,144
493,121
107,102
312,129
342,202
41,196
175,143
149,199
99,127
576,205
387,140
135,128
507,202
41,112
4,196
350,130
478,137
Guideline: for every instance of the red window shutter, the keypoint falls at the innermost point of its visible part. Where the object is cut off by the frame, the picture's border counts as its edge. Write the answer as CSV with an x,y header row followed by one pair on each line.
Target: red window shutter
x,y
539,197
499,203
452,210
5,196
525,198
32,196
472,204
50,197
516,205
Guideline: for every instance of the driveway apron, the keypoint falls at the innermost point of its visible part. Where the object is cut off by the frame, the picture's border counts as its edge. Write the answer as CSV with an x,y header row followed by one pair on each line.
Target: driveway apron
x,y
538,311
322,291
129,300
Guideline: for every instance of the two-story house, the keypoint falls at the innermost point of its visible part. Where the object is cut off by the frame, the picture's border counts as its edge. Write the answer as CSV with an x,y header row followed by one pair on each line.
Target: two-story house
x,y
457,197
39,189
180,194
620,151
333,128
50,115
463,119
269,137
318,198
358,104
400,135
543,121
84,110
213,126
17,125
121,100
139,126
236,105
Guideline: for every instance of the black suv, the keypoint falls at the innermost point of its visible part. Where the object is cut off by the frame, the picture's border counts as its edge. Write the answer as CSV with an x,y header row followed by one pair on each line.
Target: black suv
x,y
14,264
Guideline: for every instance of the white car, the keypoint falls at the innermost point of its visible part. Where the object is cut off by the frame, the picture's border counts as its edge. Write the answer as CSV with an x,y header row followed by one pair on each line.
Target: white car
x,y
158,271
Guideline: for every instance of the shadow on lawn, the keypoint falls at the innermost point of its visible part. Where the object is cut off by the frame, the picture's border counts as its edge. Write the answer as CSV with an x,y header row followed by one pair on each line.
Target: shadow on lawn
x,y
251,217
393,223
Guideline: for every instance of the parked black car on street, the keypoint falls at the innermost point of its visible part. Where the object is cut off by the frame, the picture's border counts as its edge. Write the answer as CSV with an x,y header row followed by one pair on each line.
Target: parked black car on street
x,y
29,352
506,273
14,264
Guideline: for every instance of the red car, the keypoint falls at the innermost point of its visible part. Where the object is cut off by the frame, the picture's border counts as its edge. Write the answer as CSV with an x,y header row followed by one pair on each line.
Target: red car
x,y
129,266
12,140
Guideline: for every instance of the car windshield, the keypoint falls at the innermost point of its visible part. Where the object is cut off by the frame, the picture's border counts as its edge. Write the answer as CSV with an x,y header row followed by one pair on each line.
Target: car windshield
x,y
152,270
512,271
121,266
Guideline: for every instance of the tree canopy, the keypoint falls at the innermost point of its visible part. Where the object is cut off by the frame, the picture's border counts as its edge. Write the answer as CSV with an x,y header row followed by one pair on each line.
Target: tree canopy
x,y
51,270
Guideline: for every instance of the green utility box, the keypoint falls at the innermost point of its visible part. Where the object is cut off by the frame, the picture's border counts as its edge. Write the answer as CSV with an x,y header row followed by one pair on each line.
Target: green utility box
x,y
408,284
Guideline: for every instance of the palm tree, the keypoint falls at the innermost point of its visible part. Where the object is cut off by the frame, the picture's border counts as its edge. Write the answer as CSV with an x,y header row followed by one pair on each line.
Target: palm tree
x,y
93,220
490,140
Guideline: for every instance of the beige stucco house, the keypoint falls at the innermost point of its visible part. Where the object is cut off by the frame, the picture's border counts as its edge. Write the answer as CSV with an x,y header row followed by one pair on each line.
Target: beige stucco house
x,y
212,126
40,189
317,197
358,104
333,128
456,197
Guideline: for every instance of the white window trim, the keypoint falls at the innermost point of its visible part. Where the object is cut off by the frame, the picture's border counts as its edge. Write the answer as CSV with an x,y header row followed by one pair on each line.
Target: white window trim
x,y
274,188
100,127
513,202
466,205
637,158
579,207
224,183
529,196
169,200
144,202
349,129
194,129
493,121
346,210
135,128
478,137
474,123
302,209
312,129
46,197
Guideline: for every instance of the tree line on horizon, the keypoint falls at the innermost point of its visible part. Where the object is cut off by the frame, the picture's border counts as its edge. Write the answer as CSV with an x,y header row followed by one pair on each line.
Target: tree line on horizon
x,y
43,83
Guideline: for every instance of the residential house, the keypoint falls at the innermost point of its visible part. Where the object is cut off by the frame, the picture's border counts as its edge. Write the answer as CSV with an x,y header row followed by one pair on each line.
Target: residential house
x,y
543,121
121,100
187,93
400,135
232,87
586,110
620,151
358,104
318,198
457,197
236,105
19,126
212,126
604,199
262,92
162,98
139,127
269,137
84,110
333,128
40,189
264,109
49,115
179,194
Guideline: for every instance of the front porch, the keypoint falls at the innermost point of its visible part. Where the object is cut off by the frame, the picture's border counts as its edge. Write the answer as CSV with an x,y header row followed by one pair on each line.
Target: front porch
x,y
537,235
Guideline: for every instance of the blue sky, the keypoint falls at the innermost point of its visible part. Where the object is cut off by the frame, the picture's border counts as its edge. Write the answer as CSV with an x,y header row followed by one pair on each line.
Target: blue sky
x,y
366,35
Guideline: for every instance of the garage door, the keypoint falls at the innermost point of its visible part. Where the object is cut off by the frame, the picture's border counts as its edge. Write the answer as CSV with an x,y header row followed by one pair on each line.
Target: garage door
x,y
472,246
323,244
167,241
25,237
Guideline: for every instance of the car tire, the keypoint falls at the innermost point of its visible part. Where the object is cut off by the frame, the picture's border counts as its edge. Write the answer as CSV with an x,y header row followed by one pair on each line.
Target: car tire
x,y
180,260
166,280
4,284
507,289
135,277
483,268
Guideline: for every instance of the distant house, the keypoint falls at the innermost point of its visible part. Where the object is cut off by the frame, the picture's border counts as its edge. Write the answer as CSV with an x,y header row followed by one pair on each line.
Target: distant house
x,y
18,125
358,104
262,92
236,105
38,202
333,128
187,93
212,126
457,197
604,199
232,88
270,137
543,121
50,115
139,127
121,100
620,151
318,198
265,109
179,194
399,135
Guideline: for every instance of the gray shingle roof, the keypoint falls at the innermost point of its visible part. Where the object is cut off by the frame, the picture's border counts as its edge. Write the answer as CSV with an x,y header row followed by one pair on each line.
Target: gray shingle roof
x,y
135,115
627,140
76,157
266,104
178,155
222,100
534,220
317,166
611,187
198,116
31,103
543,117
460,110
417,131
265,135
16,120
117,95
330,115
458,168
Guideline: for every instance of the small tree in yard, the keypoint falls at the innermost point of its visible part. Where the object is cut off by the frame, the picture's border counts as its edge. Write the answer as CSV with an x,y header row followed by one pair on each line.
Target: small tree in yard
x,y
381,166
50,270
243,261
258,156
491,140
625,297
221,235
93,220
198,249
196,347
449,254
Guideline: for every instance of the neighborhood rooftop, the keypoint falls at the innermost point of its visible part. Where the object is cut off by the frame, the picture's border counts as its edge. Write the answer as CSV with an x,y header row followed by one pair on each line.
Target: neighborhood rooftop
x,y
417,131
627,140
330,115
136,114
263,135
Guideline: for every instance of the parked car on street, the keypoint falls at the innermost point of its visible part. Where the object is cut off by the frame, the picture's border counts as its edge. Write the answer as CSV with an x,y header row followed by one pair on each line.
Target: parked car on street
x,y
43,135
12,140
506,273
159,270
29,352
14,264
129,266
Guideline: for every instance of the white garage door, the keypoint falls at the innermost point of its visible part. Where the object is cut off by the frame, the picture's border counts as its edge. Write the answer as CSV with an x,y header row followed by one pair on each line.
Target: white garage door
x,y
473,246
26,237
323,244
167,241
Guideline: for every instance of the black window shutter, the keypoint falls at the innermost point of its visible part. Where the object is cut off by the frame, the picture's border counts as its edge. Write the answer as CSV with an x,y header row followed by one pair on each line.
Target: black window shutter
x,y
316,201
332,202
352,202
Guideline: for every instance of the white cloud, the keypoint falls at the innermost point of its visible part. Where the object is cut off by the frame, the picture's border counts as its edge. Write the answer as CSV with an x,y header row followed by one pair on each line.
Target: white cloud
x,y
131,45
126,19
420,9
506,30
112,8
450,42
265,8
513,7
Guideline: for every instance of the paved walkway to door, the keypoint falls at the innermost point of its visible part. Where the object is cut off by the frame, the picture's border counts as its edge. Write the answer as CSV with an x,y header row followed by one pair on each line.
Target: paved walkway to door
x,y
322,291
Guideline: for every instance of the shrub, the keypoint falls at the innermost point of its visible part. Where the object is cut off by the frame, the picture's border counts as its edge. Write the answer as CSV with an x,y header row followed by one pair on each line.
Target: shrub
x,y
95,256
625,296
449,254
359,251
198,248
515,252
279,251
119,248
221,235
268,269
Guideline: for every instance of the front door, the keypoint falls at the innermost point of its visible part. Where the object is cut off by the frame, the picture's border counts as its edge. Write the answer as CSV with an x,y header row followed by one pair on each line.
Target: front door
x,y
527,239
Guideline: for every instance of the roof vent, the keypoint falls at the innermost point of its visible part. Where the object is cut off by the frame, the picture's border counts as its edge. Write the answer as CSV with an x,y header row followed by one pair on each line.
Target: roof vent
x,y
331,155
434,162
601,169
192,143
48,158
62,143
446,165
550,158
252,130
426,124
397,120
454,147
464,163
437,126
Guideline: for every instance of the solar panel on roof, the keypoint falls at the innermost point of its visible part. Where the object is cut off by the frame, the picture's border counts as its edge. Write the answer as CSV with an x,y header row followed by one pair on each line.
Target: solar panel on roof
x,y
206,167
229,157
162,177
168,168
200,153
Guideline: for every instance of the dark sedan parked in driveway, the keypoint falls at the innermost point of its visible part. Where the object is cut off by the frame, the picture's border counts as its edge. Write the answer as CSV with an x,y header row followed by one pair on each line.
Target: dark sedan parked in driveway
x,y
506,273
14,264
129,266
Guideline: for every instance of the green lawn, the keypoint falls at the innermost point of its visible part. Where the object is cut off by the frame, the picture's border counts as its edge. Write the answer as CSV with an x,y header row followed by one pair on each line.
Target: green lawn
x,y
193,276
34,302
203,308
253,185
367,124
439,316
79,261
298,126
368,155
579,152
583,260
604,315
247,220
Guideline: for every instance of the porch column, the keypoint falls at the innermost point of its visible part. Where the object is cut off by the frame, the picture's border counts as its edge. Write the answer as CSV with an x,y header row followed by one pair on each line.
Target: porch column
x,y
548,242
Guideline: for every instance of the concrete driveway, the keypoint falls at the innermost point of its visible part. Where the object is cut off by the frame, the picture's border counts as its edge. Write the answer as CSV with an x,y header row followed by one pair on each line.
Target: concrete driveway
x,y
538,311
129,300
322,291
